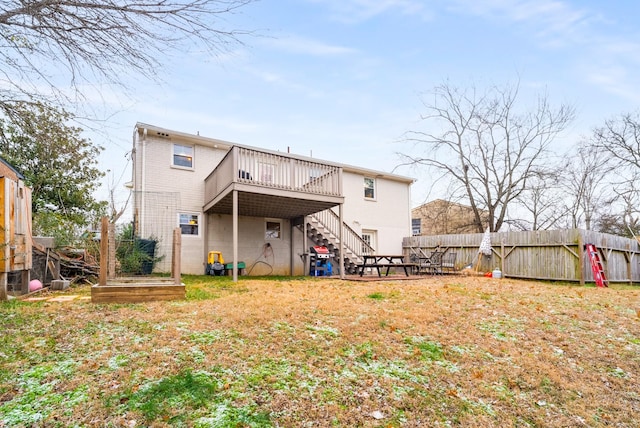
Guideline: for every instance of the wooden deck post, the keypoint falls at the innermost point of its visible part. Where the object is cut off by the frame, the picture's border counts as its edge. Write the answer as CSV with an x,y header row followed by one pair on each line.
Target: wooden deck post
x,y
235,234
176,253
104,251
342,246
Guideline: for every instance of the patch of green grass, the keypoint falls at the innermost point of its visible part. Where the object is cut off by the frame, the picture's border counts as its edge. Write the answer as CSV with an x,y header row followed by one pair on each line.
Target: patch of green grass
x,y
364,352
41,393
428,350
546,385
117,361
173,398
279,375
199,293
224,415
376,296
206,337
208,287
284,326
500,328
617,372
634,340
324,330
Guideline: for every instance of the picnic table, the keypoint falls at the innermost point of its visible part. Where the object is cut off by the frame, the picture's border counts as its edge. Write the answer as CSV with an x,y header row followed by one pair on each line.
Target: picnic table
x,y
383,261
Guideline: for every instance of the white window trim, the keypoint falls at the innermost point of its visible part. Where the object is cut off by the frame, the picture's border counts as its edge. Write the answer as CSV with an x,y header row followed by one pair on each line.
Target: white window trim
x,y
375,189
193,157
373,237
187,235
272,220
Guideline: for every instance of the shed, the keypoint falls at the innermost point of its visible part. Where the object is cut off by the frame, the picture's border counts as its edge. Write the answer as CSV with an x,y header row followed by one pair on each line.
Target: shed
x,y
15,231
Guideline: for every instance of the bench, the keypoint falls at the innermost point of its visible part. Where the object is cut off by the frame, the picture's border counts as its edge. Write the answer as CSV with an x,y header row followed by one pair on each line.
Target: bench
x,y
388,266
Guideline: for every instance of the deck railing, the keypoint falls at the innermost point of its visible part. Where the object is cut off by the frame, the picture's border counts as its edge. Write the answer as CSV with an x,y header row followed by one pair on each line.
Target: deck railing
x,y
248,166
352,241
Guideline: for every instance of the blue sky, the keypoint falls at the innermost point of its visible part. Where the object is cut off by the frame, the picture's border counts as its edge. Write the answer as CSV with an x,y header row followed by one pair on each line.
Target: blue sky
x,y
342,80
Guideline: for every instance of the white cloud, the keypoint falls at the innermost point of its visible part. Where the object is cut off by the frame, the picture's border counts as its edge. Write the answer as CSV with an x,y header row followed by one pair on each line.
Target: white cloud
x,y
301,45
605,55
615,80
555,22
355,11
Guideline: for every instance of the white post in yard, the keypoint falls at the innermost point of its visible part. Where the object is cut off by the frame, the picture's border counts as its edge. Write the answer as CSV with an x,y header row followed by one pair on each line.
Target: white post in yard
x,y
341,242
235,235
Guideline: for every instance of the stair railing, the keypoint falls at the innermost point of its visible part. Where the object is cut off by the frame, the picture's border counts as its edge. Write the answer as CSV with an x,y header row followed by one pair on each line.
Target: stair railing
x,y
352,241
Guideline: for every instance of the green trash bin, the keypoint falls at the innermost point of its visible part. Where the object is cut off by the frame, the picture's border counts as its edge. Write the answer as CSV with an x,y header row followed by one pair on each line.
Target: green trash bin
x,y
148,248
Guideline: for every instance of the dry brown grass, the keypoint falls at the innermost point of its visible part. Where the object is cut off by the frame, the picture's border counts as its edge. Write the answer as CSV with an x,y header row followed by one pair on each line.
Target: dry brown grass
x,y
441,351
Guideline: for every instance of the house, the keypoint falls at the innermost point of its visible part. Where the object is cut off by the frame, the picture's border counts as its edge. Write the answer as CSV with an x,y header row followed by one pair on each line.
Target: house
x,y
261,207
440,217
15,231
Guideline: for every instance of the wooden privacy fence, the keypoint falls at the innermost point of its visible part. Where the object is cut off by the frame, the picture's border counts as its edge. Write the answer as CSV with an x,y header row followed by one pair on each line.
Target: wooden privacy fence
x,y
557,255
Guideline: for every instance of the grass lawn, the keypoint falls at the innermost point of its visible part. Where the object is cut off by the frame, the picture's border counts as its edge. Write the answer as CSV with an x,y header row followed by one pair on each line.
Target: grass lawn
x,y
307,352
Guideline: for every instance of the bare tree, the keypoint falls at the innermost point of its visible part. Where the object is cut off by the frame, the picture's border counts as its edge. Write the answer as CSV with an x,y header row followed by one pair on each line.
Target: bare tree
x,y
623,221
617,143
586,190
620,138
44,43
541,203
485,145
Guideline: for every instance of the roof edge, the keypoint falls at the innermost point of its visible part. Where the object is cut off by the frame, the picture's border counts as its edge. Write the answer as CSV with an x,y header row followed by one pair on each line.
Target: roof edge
x,y
213,142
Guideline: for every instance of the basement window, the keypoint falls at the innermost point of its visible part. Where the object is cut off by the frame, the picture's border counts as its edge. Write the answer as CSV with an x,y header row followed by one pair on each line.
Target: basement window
x,y
273,229
189,223
182,156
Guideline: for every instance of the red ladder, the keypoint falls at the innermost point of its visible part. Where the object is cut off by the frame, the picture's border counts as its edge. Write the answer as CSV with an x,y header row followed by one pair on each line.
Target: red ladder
x,y
596,266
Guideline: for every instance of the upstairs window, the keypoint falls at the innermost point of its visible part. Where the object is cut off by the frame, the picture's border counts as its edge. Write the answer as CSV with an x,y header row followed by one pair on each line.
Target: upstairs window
x,y
188,223
183,156
369,188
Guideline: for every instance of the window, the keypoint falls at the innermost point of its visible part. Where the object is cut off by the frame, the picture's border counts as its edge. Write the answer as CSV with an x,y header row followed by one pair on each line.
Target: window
x,y
183,156
369,188
273,229
369,238
416,226
189,223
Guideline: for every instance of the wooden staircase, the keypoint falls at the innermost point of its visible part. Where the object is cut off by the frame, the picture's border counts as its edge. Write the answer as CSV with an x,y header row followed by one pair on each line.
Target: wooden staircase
x,y
323,229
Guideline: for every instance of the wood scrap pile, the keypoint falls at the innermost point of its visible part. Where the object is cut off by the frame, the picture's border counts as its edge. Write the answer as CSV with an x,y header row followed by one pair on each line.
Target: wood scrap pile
x,y
78,265
75,265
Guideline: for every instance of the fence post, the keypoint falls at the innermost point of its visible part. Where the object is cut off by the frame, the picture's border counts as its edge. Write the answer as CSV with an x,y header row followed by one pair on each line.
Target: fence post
x,y
502,256
111,260
628,258
176,252
580,258
104,251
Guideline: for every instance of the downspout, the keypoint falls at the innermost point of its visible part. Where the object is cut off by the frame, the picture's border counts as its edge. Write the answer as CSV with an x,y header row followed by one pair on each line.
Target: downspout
x,y
410,231
143,180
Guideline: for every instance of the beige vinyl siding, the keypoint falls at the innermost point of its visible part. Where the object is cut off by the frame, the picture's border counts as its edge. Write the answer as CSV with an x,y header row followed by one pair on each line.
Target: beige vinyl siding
x,y
188,187
387,213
